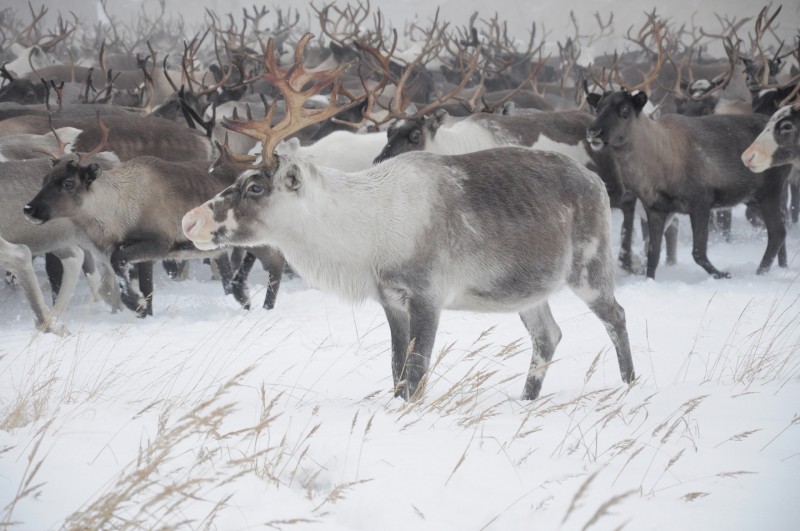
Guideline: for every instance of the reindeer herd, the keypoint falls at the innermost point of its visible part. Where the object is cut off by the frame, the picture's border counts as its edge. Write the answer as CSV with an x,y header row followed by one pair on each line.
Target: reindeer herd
x,y
427,167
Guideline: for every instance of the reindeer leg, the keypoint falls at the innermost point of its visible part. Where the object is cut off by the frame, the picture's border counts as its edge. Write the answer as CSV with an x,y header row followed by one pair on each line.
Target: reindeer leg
x,y
413,320
655,228
699,216
593,281
671,237
794,187
223,263
140,300
146,284
72,261
17,259
238,285
399,328
628,214
55,272
545,335
274,263
424,321
776,232
609,311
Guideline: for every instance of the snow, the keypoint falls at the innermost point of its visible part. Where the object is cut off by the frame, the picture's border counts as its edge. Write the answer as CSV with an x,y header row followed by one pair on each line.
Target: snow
x,y
206,415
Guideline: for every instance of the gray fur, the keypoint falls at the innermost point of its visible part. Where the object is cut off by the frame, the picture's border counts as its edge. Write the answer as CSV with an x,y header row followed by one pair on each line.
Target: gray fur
x,y
130,136
498,230
566,128
27,146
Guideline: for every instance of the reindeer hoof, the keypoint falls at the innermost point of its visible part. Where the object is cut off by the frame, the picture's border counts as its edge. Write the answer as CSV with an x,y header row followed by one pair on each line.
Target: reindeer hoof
x,y
55,328
725,274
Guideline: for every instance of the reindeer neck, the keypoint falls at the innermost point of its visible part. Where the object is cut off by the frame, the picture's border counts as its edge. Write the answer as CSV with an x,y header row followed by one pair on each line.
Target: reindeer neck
x,y
464,136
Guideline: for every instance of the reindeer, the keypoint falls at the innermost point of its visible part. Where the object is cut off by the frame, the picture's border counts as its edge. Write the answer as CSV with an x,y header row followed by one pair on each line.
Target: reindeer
x,y
133,136
560,131
132,212
21,240
686,165
498,230
26,146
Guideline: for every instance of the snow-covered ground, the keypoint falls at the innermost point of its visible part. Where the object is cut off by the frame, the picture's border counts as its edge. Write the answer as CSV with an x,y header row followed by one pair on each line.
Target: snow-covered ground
x,y
207,416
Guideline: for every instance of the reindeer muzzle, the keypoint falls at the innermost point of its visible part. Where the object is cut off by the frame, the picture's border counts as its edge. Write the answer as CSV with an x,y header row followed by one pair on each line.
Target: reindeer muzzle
x,y
198,226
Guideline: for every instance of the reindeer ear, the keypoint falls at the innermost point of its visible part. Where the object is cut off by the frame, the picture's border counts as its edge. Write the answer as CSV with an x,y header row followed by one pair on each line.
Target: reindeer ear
x,y
291,179
294,144
639,100
437,119
507,109
91,173
593,100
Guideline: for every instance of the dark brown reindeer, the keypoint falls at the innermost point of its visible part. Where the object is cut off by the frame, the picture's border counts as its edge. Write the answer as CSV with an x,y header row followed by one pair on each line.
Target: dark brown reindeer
x,y
499,230
687,165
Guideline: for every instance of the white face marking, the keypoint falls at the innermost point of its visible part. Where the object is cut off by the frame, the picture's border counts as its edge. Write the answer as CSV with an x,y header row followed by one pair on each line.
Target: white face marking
x,y
230,222
758,157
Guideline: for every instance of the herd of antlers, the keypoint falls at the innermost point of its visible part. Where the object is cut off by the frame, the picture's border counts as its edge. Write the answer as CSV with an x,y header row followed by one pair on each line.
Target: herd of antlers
x,y
246,51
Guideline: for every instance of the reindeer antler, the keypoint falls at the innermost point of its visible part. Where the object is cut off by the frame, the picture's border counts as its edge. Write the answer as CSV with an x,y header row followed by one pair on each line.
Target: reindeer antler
x,y
83,157
291,83
763,23
62,146
658,37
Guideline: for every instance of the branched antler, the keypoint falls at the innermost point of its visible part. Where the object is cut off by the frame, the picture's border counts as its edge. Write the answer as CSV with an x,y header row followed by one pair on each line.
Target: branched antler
x,y
61,146
292,85
104,131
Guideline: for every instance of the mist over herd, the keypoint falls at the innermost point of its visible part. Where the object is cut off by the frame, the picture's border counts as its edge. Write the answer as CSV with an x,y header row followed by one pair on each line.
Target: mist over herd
x,y
426,164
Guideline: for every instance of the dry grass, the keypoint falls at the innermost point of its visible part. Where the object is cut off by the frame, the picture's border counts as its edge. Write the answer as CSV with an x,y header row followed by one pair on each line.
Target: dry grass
x,y
27,488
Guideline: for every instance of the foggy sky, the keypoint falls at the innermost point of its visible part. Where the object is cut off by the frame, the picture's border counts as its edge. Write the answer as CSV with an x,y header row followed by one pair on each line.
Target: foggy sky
x,y
519,14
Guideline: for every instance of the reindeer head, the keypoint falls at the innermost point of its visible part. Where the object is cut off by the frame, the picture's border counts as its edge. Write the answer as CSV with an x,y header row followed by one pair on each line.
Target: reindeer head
x,y
67,183
411,135
616,113
778,143
275,181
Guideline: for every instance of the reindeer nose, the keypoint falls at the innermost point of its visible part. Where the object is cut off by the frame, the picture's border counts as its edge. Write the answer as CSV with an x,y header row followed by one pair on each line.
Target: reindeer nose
x,y
189,223
28,210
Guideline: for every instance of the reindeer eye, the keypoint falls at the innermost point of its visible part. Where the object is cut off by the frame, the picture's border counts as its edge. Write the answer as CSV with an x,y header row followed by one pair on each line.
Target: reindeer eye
x,y
786,127
625,111
255,189
68,184
415,136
